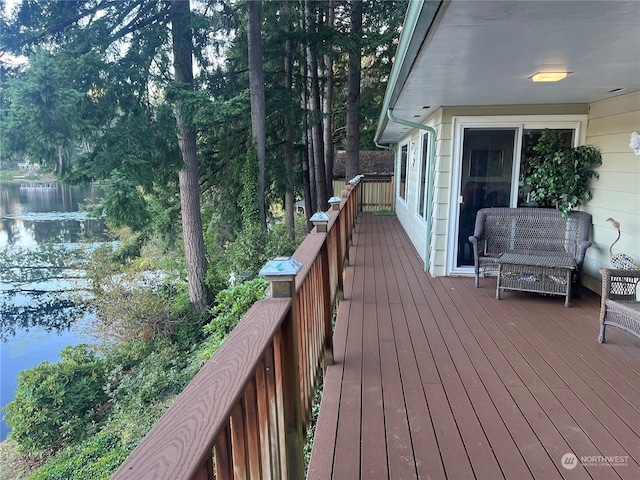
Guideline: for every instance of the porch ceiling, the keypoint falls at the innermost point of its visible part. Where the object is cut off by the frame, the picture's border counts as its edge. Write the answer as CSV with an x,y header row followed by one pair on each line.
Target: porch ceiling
x,y
483,53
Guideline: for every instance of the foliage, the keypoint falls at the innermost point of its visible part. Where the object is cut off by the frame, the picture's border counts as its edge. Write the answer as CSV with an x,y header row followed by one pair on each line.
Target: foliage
x,y
135,298
40,113
100,455
155,376
558,175
57,404
252,249
230,306
313,420
105,67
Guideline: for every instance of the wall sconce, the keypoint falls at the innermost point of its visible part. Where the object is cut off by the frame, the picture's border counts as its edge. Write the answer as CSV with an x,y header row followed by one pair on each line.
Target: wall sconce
x,y
635,142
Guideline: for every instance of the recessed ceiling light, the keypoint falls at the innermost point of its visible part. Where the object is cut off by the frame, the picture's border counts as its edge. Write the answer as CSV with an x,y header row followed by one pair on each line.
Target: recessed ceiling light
x,y
426,106
617,90
549,76
416,116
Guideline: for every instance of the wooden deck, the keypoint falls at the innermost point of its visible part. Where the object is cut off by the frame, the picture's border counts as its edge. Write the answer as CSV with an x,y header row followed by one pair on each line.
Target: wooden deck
x,y
435,379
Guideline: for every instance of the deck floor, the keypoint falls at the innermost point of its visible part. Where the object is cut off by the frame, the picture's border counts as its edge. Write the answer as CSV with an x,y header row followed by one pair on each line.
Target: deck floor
x,y
435,379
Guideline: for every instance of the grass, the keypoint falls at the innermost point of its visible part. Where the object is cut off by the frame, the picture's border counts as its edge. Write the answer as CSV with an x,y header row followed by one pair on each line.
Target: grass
x,y
15,175
13,465
385,213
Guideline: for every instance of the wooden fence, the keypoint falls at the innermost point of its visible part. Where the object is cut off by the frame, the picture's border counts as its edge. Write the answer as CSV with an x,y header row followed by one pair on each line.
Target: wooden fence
x,y
245,414
376,192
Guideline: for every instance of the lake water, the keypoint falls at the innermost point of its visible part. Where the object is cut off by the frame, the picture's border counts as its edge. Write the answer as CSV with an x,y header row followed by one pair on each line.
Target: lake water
x,y
37,319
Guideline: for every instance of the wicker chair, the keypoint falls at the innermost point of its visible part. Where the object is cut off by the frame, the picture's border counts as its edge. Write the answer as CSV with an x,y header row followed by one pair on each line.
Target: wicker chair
x,y
620,306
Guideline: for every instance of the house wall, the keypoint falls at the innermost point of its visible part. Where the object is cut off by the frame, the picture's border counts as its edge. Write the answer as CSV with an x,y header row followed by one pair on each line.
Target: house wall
x,y
442,122
616,193
407,212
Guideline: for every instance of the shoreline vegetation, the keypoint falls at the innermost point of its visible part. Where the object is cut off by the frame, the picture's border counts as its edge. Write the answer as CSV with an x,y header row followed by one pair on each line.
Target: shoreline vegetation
x,y
15,175
153,346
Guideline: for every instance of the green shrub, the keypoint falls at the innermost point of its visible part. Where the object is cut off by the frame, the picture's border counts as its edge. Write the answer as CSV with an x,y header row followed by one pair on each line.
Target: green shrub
x,y
57,403
102,454
230,306
159,374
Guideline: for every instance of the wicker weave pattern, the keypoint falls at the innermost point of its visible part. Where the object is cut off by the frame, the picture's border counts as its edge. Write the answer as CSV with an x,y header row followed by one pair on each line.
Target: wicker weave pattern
x,y
530,231
532,273
620,306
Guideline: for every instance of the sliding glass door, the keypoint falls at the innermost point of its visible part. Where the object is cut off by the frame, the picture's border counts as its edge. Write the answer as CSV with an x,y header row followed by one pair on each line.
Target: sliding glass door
x,y
488,155
486,180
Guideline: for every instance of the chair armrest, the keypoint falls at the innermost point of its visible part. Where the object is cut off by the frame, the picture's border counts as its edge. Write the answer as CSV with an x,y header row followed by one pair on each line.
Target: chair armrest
x,y
619,284
581,252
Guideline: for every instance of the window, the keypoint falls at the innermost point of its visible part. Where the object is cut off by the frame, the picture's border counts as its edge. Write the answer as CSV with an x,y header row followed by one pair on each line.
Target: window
x,y
404,165
424,177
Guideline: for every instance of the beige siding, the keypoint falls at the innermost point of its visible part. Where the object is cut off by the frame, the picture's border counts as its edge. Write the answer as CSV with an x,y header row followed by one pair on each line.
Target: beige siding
x,y
617,193
415,226
444,166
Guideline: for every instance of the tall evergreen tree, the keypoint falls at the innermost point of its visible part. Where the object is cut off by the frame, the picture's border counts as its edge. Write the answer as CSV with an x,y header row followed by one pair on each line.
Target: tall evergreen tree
x,y
188,175
127,50
353,91
256,88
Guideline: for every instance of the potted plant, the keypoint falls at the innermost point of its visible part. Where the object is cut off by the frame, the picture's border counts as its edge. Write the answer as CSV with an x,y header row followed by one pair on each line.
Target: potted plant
x,y
558,175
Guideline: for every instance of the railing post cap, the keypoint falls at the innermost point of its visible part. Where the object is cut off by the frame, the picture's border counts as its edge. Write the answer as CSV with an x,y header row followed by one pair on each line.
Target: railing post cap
x,y
320,217
333,200
281,269
320,221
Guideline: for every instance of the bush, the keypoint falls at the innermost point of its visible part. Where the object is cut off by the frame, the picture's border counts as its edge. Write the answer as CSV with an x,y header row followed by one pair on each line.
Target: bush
x,y
231,305
102,454
157,375
57,404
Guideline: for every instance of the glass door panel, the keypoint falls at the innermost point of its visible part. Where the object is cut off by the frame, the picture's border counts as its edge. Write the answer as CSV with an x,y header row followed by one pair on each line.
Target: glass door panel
x,y
485,180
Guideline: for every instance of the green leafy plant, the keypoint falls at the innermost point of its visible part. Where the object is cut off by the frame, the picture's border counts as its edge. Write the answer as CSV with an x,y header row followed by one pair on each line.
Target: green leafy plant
x,y
230,306
559,176
57,404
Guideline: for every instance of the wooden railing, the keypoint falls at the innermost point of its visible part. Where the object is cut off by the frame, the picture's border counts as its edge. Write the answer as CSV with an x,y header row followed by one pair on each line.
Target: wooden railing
x,y
376,192
245,414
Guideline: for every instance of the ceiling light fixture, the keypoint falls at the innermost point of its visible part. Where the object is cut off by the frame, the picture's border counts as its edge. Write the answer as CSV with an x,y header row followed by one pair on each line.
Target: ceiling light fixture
x,y
549,76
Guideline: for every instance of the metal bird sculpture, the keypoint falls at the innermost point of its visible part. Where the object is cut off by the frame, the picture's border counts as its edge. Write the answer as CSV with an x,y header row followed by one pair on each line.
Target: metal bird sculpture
x,y
620,260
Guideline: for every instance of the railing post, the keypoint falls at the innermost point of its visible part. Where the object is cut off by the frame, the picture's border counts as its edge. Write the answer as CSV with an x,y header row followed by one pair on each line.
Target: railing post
x,y
340,259
281,272
327,296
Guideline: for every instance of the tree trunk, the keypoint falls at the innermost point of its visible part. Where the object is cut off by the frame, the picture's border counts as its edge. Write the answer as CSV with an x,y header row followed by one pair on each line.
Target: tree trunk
x,y
327,102
289,206
316,128
353,93
311,201
188,176
256,87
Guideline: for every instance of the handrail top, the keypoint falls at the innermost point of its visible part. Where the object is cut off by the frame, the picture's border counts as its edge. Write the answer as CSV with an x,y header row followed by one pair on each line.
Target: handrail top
x,y
209,397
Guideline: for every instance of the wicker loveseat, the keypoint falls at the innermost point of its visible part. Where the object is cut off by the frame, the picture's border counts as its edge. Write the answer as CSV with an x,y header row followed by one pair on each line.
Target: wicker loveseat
x,y
529,231
619,302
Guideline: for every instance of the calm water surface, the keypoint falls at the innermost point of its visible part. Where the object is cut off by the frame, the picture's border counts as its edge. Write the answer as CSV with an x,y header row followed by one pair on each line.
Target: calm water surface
x,y
36,326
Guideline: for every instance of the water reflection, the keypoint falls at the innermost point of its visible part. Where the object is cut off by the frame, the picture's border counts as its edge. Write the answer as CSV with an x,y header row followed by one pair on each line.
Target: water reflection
x,y
42,284
33,214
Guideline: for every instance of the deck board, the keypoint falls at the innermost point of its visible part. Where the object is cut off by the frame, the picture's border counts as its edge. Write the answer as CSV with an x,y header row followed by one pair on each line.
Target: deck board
x,y
436,379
